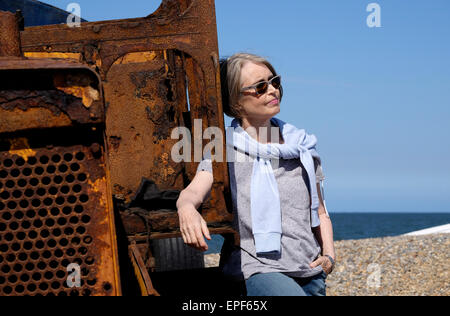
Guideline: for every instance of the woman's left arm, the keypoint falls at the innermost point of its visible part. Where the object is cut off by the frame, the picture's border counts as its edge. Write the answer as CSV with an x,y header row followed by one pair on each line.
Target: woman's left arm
x,y
324,235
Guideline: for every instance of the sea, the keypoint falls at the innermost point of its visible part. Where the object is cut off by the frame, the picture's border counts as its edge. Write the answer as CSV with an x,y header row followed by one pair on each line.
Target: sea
x,y
368,225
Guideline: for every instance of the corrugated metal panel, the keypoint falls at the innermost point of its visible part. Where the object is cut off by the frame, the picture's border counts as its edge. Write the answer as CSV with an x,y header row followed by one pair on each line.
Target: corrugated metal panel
x,y
172,254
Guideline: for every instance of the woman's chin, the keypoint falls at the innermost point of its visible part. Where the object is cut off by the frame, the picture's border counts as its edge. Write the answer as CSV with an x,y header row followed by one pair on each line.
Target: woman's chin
x,y
275,109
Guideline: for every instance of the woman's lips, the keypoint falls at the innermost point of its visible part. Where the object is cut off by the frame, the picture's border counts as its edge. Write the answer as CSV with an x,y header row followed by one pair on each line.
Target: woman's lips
x,y
273,102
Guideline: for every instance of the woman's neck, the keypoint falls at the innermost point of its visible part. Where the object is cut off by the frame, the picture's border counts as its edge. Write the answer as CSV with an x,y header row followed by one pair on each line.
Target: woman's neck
x,y
260,130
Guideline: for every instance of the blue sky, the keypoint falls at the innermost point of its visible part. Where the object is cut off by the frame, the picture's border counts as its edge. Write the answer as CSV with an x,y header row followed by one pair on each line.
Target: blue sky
x,y
378,99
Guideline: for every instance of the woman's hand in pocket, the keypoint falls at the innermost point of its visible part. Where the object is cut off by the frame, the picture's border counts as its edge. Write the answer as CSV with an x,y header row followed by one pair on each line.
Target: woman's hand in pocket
x,y
325,262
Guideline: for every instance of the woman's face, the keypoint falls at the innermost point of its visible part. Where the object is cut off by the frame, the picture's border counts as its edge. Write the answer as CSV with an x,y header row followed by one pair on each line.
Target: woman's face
x,y
258,107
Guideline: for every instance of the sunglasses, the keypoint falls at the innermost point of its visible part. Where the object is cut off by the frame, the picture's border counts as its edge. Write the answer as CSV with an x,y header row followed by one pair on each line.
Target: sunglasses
x,y
261,87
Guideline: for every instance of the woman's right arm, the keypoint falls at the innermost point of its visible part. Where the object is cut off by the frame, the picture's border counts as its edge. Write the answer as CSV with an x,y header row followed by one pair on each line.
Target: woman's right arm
x,y
192,225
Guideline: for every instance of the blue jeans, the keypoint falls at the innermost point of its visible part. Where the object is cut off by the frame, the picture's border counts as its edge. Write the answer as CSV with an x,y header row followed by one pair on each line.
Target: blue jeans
x,y
279,284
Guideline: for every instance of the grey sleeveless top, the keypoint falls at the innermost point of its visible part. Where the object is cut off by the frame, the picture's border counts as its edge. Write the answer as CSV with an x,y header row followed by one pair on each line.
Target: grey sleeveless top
x,y
299,247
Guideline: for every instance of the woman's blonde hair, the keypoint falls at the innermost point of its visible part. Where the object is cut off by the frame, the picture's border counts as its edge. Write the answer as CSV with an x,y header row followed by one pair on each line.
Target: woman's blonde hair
x,y
230,77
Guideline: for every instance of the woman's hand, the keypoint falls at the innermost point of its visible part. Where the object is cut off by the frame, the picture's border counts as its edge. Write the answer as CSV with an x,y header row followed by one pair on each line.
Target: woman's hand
x,y
325,262
193,227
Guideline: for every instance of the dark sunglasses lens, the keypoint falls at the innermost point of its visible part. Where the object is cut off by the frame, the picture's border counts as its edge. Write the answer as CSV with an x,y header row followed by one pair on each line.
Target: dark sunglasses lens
x,y
261,88
276,82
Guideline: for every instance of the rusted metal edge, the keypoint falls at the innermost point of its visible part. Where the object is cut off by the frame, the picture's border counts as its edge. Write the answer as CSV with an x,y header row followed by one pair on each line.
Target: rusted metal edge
x,y
220,229
144,280
42,63
164,14
112,221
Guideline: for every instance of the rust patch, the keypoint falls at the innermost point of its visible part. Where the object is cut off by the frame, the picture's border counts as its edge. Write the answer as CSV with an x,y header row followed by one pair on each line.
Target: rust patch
x,y
21,148
142,81
87,94
35,118
78,86
54,100
114,141
39,55
99,186
9,34
141,57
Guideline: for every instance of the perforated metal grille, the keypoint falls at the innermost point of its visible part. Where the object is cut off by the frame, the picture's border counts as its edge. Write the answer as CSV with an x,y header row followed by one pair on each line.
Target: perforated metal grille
x,y
50,217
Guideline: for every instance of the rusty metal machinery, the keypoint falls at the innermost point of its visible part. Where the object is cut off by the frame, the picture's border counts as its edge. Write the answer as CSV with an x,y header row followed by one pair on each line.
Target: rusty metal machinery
x,y
154,74
158,73
55,199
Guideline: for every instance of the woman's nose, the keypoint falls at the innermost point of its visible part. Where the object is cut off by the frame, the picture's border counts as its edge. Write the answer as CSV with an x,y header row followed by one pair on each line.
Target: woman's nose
x,y
271,89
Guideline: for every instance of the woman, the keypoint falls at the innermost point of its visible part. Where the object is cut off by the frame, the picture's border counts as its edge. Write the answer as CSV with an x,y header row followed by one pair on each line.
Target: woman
x,y
286,235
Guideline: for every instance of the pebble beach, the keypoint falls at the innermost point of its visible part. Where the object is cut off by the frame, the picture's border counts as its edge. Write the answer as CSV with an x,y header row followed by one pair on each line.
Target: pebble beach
x,y
389,266
392,266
